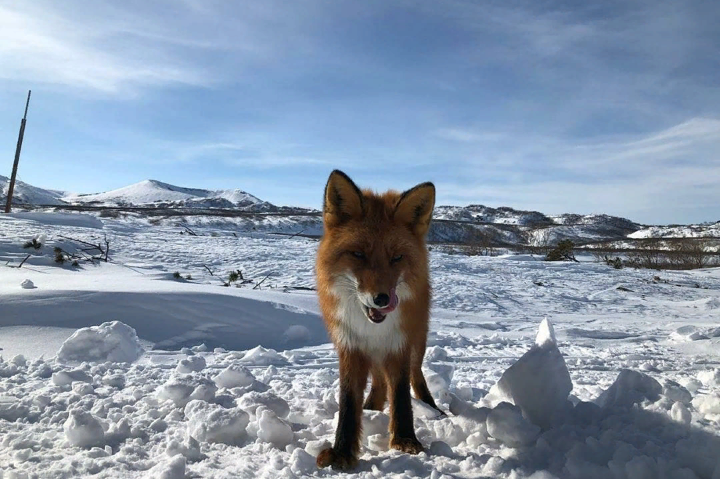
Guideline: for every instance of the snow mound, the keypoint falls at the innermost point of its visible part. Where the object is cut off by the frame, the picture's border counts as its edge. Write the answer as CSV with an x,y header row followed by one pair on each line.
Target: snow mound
x,y
687,333
67,377
181,389
193,363
680,413
438,378
109,342
215,424
253,401
711,378
234,376
84,430
629,388
707,404
273,430
28,284
173,467
538,383
260,356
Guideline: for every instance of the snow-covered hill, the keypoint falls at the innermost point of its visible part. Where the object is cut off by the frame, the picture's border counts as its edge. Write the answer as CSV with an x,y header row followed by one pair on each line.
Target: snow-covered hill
x,y
25,194
674,231
468,224
155,193
501,215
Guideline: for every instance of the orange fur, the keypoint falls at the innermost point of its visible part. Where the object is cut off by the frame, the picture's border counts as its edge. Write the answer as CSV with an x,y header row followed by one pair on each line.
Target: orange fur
x,y
388,231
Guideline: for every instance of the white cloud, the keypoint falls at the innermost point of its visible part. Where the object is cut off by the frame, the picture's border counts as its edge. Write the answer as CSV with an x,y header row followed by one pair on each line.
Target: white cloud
x,y
672,170
40,42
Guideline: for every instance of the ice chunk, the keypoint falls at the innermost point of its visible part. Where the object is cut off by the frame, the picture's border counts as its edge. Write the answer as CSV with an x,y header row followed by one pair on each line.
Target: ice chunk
x,y
438,378
234,376
251,401
506,423
273,430
67,377
193,363
546,335
28,284
680,413
263,356
215,424
12,409
442,449
301,462
687,333
629,388
711,378
436,354
538,383
423,410
173,467
373,423
676,392
111,341
707,404
84,430
183,388
189,448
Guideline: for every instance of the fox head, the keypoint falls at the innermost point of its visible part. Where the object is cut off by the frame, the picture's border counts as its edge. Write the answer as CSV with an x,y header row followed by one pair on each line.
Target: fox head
x,y
375,243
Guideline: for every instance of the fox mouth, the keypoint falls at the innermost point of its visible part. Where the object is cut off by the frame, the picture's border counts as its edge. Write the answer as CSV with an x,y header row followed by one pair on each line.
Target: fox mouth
x,y
375,315
378,315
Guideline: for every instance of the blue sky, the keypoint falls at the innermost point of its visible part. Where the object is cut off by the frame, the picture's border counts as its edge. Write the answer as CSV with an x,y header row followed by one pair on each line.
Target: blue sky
x,y
587,107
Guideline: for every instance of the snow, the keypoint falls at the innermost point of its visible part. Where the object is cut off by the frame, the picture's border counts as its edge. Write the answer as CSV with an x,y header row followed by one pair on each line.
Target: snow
x,y
240,382
155,192
28,284
215,424
24,193
234,376
630,388
57,219
506,423
84,430
272,429
539,382
110,341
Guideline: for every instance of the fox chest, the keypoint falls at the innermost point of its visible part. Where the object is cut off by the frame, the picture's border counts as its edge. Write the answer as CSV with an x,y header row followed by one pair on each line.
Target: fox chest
x,y
355,332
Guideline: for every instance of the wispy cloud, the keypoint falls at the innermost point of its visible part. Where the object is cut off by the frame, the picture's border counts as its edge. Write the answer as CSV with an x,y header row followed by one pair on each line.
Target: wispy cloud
x,y
675,170
40,42
609,106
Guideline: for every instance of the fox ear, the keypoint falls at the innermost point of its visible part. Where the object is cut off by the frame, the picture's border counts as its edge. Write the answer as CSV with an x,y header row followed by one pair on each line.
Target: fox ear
x,y
343,199
415,207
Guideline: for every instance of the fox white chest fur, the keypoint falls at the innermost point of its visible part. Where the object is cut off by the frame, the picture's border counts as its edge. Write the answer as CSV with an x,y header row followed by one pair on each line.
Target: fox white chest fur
x,y
356,331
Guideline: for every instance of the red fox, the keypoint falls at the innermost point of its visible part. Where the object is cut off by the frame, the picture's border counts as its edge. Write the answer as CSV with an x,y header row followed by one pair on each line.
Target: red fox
x,y
374,291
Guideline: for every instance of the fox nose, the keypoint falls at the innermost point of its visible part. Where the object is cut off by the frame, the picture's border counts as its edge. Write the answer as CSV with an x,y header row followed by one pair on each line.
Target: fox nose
x,y
381,300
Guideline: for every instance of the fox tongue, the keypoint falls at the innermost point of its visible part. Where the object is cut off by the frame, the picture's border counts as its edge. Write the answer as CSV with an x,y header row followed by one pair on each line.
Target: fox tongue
x,y
390,306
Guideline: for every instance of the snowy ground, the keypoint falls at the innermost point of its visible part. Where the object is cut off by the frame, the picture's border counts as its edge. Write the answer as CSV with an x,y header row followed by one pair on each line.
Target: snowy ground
x,y
240,382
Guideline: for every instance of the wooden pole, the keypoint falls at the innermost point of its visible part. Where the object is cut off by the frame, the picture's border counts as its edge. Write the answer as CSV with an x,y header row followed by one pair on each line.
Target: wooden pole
x,y
11,187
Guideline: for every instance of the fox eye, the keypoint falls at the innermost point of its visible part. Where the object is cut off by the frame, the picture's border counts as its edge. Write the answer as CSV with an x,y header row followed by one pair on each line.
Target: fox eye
x,y
359,255
396,259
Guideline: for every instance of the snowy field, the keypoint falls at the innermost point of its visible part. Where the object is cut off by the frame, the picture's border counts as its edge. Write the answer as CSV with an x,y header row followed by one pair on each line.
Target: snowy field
x,y
200,380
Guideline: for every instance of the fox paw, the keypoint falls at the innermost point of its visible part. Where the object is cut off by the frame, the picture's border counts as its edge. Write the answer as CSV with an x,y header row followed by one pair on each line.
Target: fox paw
x,y
338,461
407,445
